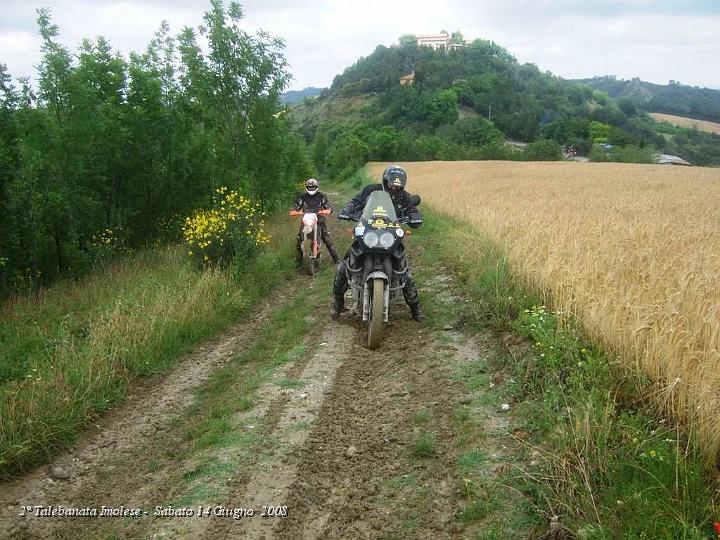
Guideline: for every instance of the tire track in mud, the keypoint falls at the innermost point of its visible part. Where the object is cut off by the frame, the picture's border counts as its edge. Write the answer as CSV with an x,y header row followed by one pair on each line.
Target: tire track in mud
x,y
104,468
294,413
364,438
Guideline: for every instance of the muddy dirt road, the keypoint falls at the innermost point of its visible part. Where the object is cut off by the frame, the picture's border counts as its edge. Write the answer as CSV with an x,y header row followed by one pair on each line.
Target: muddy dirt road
x,y
337,442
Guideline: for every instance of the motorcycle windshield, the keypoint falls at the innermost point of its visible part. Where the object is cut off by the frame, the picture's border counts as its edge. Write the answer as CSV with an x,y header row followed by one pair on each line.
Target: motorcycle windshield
x,y
379,206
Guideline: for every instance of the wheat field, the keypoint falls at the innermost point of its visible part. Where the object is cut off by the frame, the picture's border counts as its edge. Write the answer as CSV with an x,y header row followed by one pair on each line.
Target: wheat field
x,y
633,251
681,121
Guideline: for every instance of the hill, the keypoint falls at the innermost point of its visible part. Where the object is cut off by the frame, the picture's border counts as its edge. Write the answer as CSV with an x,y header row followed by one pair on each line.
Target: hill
x,y
673,98
464,103
294,96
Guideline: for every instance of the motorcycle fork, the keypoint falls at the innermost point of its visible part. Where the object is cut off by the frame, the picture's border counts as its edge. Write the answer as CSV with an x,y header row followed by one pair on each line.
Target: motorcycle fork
x,y
315,245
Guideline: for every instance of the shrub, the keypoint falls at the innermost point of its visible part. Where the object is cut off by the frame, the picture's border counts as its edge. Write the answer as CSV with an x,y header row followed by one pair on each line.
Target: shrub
x,y
233,227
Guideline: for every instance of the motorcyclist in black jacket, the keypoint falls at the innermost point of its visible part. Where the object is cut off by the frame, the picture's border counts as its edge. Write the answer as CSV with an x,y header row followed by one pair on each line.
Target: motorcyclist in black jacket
x,y
314,200
393,181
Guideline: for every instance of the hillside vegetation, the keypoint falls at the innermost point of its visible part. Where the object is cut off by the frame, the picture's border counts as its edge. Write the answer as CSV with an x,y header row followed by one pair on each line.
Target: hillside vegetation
x,y
673,98
464,104
629,250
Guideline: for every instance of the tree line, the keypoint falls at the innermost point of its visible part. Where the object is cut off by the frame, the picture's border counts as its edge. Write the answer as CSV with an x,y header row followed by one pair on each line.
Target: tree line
x,y
106,152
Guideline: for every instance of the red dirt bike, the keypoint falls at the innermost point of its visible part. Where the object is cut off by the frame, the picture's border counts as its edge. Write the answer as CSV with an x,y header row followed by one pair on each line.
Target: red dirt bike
x,y
311,244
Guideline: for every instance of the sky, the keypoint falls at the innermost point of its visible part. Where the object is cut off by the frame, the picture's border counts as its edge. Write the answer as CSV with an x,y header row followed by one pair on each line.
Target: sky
x,y
655,40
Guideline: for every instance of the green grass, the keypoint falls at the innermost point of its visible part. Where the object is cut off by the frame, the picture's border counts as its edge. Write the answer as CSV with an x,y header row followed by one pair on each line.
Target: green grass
x,y
71,352
290,383
421,417
609,468
424,446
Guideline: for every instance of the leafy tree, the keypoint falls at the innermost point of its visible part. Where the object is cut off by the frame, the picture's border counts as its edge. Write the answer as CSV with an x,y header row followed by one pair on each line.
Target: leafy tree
x,y
443,108
599,131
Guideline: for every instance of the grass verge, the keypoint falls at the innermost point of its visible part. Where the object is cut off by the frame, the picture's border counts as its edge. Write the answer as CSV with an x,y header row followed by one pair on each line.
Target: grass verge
x,y
70,353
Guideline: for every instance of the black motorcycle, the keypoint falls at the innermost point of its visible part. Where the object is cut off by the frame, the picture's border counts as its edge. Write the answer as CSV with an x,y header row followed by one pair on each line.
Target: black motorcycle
x,y
374,277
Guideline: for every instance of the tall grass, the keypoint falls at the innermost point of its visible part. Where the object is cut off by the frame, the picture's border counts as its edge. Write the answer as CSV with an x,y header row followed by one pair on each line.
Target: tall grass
x,y
631,251
70,353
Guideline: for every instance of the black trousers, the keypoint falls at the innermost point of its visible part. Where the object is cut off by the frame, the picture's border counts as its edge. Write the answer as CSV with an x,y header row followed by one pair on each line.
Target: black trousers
x,y
341,284
324,236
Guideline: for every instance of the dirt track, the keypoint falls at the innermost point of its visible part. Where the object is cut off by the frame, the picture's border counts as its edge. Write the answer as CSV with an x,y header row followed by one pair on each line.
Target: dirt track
x,y
339,451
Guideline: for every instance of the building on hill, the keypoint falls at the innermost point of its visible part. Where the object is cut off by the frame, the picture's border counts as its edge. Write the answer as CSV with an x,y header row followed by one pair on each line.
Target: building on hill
x,y
667,159
436,41
408,79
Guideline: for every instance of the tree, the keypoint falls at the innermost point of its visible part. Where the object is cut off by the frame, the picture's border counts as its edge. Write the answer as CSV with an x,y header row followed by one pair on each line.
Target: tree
x,y
443,108
407,40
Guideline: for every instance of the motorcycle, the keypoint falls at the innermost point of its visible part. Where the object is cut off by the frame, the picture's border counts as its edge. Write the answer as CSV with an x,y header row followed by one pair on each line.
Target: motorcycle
x,y
375,282
310,244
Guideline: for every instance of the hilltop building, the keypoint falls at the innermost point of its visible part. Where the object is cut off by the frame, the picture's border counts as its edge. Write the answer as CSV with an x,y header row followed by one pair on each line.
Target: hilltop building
x,y
438,41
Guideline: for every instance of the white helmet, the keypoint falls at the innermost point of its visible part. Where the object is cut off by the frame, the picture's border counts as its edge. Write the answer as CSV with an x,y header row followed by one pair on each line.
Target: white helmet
x,y
312,186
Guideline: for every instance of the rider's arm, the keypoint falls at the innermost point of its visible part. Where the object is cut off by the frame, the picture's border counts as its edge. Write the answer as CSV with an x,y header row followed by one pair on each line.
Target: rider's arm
x,y
299,203
325,204
412,213
357,203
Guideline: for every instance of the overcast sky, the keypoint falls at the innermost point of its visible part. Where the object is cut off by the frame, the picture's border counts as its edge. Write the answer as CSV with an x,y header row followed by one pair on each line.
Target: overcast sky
x,y
656,40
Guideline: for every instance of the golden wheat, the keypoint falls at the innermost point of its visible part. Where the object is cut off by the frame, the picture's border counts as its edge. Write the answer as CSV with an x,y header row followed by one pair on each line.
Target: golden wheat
x,y
681,121
633,251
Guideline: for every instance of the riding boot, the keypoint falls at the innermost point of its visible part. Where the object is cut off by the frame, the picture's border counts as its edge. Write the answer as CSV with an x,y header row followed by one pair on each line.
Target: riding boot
x,y
333,254
416,313
338,305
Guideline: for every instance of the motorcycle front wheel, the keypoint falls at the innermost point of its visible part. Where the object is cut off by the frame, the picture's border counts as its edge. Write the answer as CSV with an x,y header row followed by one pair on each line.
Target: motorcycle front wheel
x,y
375,321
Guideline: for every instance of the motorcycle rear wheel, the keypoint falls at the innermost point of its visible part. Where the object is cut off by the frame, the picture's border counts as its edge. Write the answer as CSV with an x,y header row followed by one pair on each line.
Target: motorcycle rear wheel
x,y
375,322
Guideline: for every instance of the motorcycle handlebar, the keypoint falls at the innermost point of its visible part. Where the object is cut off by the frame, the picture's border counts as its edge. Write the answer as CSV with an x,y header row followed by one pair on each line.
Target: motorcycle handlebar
x,y
325,212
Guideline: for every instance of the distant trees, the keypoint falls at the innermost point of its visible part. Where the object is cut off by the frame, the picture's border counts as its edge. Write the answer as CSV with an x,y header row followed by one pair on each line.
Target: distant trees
x,y
112,152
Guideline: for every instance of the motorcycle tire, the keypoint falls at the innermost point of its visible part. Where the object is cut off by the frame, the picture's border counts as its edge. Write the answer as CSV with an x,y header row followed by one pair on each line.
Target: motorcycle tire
x,y
375,322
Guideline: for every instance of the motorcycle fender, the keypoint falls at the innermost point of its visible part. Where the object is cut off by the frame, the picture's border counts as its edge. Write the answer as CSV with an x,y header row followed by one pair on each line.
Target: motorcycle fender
x,y
386,296
377,274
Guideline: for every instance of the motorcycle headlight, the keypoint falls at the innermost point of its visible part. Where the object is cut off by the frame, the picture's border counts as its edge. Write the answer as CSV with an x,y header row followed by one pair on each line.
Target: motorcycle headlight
x,y
400,232
371,239
387,240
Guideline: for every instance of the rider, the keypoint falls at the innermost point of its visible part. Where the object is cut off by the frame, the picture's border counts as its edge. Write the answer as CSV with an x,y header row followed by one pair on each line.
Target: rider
x,y
393,181
314,200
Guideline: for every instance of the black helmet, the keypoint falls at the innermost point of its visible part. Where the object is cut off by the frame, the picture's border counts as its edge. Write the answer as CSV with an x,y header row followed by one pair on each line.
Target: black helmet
x,y
394,177
311,186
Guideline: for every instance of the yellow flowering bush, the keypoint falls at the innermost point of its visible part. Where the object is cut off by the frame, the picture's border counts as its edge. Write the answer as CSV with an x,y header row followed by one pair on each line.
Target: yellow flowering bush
x,y
233,227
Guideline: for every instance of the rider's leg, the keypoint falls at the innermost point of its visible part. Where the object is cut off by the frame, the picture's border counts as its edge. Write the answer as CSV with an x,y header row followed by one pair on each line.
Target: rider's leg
x,y
325,235
298,247
339,287
410,293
